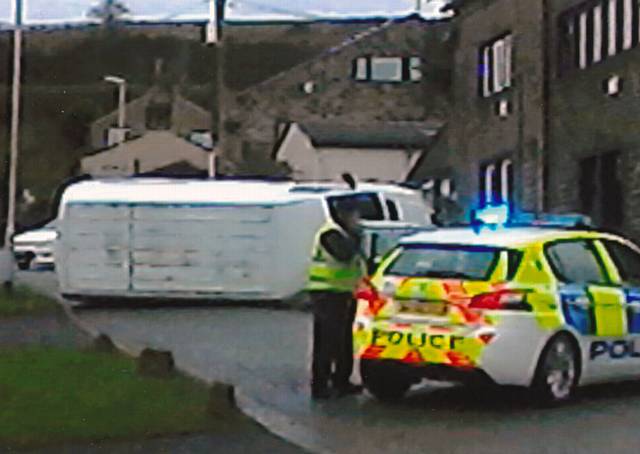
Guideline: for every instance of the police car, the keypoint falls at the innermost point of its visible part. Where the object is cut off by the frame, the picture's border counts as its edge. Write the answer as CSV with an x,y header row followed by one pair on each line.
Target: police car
x,y
545,307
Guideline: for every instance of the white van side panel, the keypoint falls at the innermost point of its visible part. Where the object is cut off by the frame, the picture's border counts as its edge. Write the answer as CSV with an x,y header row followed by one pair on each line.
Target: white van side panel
x,y
210,249
94,248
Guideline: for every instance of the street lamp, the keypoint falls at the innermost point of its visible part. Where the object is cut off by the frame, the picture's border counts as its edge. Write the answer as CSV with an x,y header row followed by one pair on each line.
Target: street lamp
x,y
122,97
6,256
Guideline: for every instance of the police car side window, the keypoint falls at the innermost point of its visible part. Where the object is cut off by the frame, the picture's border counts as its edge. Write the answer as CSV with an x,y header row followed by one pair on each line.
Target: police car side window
x,y
575,262
626,260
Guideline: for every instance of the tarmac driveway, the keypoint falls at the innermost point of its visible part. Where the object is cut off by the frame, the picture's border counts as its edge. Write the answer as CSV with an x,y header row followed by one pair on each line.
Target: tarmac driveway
x,y
266,354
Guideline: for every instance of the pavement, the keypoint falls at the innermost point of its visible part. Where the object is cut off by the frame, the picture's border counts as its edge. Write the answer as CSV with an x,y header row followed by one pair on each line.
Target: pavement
x,y
265,353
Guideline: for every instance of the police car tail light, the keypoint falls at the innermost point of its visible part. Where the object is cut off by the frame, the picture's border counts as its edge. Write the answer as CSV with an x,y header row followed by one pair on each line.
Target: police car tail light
x,y
367,292
501,300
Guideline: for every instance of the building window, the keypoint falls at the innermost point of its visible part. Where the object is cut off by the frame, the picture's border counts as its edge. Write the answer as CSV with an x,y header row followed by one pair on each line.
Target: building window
x,y
601,195
387,69
496,61
384,69
593,32
496,183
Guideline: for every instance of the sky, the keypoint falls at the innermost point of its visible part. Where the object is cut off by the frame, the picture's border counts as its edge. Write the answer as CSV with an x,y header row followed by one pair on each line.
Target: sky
x,y
63,11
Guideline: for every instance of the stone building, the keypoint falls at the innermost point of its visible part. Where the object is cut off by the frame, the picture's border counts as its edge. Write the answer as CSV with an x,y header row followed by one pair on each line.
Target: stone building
x,y
157,109
379,151
594,156
496,126
544,103
156,152
391,72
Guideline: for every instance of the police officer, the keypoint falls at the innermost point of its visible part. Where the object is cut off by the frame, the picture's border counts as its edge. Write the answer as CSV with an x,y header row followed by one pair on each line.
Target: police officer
x,y
337,266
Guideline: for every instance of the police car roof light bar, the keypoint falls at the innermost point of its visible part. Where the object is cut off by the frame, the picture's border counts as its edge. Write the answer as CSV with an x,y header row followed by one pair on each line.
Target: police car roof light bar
x,y
503,216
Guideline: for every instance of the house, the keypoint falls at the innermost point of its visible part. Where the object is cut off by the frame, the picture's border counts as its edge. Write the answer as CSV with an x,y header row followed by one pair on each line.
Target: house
x,y
392,73
544,109
594,84
155,152
158,109
497,124
382,151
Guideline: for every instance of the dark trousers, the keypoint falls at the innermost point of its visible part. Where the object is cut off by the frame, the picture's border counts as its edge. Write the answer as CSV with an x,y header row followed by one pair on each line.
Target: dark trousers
x,y
333,315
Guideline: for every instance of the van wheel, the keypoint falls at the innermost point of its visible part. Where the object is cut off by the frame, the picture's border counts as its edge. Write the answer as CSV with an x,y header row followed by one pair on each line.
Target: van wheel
x,y
25,263
383,380
558,370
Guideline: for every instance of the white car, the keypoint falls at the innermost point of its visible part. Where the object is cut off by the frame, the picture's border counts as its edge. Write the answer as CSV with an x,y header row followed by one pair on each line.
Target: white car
x,y
35,247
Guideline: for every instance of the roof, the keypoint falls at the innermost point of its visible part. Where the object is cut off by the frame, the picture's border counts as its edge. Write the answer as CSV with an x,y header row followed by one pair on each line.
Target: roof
x,y
151,141
395,135
502,237
378,27
183,191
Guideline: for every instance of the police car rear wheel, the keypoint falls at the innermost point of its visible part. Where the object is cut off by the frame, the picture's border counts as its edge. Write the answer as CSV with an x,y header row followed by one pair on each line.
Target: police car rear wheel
x,y
557,374
384,381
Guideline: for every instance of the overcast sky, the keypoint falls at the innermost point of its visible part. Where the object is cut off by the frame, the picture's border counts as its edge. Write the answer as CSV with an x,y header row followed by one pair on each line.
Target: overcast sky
x,y
74,10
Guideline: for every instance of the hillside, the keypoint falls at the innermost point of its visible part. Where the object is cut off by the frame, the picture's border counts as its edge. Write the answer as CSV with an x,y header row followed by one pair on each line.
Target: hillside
x,y
63,90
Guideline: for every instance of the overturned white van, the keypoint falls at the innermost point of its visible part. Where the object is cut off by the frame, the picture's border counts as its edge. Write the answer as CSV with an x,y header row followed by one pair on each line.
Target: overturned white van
x,y
205,239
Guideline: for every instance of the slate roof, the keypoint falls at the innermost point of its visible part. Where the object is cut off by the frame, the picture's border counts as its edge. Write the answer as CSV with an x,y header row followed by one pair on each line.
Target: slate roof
x,y
387,135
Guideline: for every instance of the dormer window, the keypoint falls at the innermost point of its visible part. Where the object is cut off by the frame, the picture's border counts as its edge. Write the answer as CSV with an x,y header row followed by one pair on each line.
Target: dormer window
x,y
387,69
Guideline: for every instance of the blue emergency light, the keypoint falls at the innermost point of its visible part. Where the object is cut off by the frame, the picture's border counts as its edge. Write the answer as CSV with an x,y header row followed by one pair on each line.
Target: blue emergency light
x,y
496,216
492,215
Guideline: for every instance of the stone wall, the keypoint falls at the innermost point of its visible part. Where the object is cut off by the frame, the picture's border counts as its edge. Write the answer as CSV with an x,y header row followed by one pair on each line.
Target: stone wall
x,y
251,119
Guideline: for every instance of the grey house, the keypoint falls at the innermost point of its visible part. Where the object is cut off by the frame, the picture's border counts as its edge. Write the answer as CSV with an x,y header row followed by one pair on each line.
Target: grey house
x,y
393,73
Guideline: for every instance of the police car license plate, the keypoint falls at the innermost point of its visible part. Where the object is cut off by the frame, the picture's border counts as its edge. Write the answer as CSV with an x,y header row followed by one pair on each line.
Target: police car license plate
x,y
424,307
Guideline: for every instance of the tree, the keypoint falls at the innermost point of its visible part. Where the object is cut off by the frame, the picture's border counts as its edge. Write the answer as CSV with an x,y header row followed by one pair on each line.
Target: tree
x,y
109,12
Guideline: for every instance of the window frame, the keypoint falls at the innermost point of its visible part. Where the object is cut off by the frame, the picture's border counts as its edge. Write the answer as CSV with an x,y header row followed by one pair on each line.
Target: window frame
x,y
591,242
496,74
374,197
410,69
497,181
451,247
393,210
595,31
378,61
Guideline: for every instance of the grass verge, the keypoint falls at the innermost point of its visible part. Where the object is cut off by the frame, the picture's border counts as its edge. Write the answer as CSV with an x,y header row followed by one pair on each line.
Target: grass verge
x,y
23,301
54,396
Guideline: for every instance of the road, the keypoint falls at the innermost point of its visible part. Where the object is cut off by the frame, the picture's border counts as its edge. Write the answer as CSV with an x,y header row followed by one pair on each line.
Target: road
x,y
265,352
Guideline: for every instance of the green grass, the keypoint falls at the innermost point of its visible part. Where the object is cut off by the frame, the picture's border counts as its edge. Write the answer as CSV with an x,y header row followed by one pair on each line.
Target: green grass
x,y
53,396
23,301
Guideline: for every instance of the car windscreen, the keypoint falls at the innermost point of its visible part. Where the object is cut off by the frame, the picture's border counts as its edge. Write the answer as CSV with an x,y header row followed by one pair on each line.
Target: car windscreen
x,y
368,205
445,261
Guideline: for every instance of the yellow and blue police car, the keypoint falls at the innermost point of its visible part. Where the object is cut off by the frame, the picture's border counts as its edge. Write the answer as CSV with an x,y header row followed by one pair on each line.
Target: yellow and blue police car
x,y
550,308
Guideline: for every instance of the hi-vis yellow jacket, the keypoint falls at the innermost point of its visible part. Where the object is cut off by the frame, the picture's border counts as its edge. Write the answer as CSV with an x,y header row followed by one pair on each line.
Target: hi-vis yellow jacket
x,y
327,274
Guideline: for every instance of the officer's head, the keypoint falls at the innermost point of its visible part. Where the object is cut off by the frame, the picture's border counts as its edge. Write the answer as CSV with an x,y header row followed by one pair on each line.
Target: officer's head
x,y
348,214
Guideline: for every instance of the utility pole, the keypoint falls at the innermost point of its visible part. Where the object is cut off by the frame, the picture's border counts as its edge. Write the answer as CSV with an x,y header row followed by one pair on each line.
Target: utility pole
x,y
214,38
7,259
